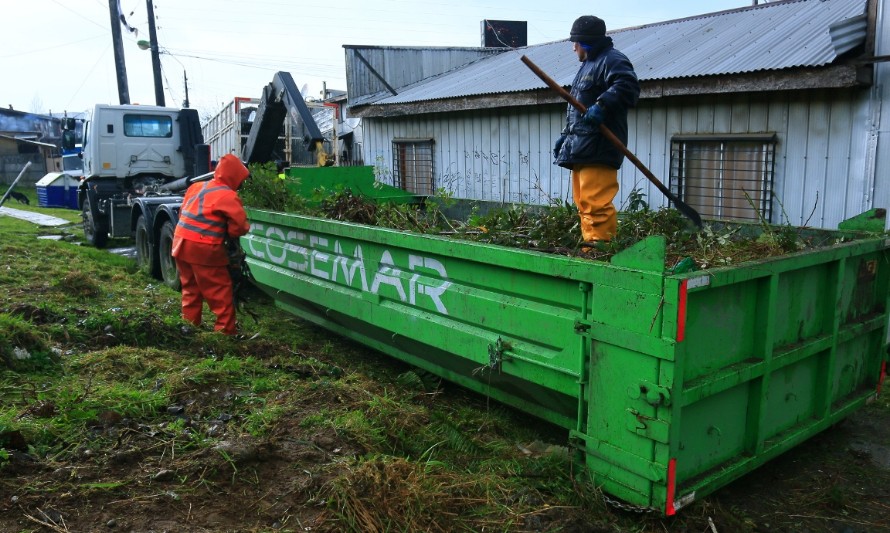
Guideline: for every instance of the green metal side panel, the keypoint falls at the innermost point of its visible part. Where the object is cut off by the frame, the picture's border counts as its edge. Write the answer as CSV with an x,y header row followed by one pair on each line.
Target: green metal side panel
x,y
360,180
489,325
671,385
774,352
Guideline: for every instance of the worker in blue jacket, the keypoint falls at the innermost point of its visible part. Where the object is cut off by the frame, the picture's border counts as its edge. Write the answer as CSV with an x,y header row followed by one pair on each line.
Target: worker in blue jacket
x,y
607,86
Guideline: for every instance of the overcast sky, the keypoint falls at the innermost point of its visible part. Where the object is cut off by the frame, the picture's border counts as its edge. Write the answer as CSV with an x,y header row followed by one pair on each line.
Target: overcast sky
x,y
57,55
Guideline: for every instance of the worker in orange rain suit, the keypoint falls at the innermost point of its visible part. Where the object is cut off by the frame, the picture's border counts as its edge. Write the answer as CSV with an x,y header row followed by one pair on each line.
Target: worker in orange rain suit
x,y
607,85
211,213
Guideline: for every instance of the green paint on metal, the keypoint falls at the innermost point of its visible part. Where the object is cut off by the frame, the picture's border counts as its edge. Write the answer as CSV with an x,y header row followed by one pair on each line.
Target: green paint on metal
x,y
720,370
305,181
871,221
647,254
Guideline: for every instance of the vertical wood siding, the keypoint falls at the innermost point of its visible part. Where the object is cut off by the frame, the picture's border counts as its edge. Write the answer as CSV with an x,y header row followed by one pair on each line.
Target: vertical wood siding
x,y
504,154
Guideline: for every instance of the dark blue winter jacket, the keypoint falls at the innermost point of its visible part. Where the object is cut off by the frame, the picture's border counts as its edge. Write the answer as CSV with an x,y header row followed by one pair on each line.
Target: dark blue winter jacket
x,y
607,77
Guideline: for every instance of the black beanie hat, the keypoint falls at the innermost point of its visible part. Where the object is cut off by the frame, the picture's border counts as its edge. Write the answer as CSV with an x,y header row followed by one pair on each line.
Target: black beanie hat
x,y
587,28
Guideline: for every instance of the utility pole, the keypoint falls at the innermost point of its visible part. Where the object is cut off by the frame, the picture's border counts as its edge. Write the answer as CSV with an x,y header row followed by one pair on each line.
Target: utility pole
x,y
123,91
185,80
155,54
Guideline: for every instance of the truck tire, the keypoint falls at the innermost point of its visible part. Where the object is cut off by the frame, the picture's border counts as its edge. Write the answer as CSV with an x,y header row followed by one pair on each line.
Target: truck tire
x,y
147,257
95,231
169,272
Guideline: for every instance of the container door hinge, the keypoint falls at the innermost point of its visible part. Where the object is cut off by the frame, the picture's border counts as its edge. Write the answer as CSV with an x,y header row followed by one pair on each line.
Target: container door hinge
x,y
650,393
582,327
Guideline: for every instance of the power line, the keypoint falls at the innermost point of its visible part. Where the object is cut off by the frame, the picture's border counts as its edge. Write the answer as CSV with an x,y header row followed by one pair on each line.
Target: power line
x,y
37,51
93,22
270,65
88,75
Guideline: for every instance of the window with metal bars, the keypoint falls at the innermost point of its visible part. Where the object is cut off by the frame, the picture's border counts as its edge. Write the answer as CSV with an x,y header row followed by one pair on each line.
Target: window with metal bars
x,y
725,176
413,165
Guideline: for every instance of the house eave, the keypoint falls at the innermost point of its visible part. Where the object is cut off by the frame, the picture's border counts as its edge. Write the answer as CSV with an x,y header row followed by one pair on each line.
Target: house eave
x,y
830,77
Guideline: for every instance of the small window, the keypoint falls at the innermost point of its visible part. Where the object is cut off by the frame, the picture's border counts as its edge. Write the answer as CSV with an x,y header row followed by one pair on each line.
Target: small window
x,y
28,148
148,126
72,162
725,176
413,165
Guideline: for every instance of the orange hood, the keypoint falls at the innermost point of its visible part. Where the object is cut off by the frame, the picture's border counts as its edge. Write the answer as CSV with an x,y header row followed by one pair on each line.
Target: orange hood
x,y
230,171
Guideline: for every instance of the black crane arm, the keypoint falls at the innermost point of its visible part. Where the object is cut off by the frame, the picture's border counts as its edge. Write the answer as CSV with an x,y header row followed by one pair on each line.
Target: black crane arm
x,y
279,99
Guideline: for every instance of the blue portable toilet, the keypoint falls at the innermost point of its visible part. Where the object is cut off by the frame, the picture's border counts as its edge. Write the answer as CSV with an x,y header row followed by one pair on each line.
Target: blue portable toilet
x,y
57,189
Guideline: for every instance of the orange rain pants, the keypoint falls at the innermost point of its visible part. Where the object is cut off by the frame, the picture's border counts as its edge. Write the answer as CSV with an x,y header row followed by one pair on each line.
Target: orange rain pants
x,y
213,284
593,189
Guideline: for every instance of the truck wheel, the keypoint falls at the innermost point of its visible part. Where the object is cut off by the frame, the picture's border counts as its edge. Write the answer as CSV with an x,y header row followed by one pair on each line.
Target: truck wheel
x,y
169,272
146,253
94,231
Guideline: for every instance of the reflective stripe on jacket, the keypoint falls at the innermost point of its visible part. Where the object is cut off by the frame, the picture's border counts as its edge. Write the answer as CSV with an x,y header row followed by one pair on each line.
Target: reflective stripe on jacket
x,y
195,218
210,212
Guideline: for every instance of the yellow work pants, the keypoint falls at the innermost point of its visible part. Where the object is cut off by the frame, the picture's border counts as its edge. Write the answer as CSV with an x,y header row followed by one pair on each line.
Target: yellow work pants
x,y
593,189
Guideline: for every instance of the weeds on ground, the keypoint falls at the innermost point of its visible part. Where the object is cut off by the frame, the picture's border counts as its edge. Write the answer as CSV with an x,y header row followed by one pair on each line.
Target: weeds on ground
x,y
151,410
101,375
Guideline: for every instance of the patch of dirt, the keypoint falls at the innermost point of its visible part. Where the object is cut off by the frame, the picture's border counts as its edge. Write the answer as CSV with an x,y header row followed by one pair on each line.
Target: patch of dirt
x,y
34,314
240,484
838,481
131,476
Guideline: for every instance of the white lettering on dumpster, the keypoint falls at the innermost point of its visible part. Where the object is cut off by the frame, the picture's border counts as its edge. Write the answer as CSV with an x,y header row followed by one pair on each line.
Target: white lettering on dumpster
x,y
350,267
701,281
388,274
315,256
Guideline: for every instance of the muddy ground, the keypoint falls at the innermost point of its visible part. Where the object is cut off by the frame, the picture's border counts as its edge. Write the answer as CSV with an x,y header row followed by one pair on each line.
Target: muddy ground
x,y
146,475
838,482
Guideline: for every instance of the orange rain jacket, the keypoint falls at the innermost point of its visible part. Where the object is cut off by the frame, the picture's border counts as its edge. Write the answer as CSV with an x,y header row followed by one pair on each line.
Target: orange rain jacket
x,y
212,211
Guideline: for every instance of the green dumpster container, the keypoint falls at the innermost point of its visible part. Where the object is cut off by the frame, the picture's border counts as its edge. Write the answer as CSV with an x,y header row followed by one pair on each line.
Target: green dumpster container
x,y
305,181
670,385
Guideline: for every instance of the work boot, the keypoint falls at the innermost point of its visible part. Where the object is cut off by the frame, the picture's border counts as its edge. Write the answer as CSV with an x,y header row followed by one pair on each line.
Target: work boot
x,y
594,246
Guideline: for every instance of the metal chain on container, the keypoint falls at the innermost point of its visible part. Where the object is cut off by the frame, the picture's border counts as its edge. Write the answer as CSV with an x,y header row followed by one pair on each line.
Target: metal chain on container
x,y
620,505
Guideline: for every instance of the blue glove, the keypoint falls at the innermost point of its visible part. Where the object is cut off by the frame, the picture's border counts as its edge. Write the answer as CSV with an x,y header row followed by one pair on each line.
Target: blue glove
x,y
557,146
594,115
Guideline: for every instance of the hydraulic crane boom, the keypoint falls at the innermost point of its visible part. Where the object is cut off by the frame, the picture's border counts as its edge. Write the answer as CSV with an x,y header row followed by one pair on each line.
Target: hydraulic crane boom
x,y
279,99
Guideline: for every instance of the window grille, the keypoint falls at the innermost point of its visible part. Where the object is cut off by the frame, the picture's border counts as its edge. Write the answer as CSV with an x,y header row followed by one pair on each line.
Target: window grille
x,y
413,165
725,177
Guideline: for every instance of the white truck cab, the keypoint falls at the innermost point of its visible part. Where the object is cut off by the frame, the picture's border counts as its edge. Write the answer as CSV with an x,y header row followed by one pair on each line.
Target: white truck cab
x,y
130,152
126,141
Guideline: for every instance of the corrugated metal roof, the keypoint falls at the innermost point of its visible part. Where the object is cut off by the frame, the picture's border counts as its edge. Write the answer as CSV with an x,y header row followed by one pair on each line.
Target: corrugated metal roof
x,y
773,36
368,66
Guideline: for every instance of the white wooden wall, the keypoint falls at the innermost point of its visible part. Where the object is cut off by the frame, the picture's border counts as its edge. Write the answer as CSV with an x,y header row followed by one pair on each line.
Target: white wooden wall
x,y
494,155
825,170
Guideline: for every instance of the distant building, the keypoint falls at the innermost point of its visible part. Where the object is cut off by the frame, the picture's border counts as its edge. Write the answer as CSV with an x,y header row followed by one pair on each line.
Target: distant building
x,y
28,137
228,131
776,111
348,131
15,153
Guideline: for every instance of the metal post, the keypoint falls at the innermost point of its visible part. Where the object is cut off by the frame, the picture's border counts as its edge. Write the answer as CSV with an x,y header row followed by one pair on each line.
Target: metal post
x,y
9,190
155,53
288,140
120,66
185,80
335,144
